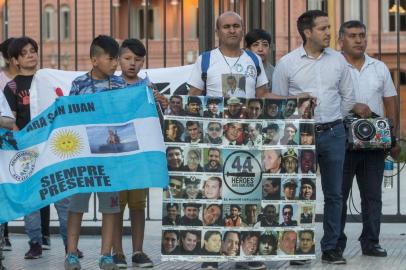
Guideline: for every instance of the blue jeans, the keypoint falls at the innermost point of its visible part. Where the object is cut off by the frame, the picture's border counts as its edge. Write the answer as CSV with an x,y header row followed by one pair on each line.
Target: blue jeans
x,y
330,147
33,222
367,166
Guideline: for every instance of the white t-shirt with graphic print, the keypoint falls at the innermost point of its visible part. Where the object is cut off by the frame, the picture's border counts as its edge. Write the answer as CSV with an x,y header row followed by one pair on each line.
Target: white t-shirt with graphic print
x,y
222,67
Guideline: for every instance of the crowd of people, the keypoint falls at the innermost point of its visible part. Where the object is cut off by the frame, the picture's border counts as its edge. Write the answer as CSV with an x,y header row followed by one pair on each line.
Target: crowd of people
x,y
313,74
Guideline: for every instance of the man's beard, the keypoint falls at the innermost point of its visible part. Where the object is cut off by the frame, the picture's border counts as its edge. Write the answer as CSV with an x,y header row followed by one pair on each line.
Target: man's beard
x,y
216,164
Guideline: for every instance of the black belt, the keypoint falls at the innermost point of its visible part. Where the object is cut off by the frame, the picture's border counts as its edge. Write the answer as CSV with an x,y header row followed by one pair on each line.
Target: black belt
x,y
326,126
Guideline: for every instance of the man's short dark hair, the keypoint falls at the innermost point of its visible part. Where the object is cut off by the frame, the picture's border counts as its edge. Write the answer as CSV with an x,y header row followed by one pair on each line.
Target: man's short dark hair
x,y
208,234
194,205
175,96
256,100
304,151
213,149
307,181
273,126
306,21
170,205
306,128
192,123
247,207
135,46
287,206
4,48
235,206
16,46
193,99
173,148
103,44
256,34
270,239
350,24
213,123
249,234
196,233
269,206
172,231
307,231
228,232
274,181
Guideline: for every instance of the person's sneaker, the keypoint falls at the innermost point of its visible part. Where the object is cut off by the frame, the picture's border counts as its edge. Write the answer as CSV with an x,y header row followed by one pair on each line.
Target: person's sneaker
x,y
78,252
119,259
375,251
142,260
300,262
72,262
106,263
250,265
209,266
35,251
7,244
332,257
46,243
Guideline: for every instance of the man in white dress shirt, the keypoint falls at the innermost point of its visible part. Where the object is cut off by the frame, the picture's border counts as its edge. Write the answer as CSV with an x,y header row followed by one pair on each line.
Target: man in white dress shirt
x,y
373,86
323,72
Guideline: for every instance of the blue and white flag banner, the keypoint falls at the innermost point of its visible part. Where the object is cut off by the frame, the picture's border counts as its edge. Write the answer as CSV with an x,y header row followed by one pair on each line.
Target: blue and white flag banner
x,y
104,142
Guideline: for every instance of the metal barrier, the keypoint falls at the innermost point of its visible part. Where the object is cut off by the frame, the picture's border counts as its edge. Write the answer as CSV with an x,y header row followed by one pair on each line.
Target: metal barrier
x,y
256,13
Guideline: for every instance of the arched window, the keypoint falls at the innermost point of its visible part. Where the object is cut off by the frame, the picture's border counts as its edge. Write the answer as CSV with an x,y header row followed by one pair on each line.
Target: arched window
x,y
48,23
65,23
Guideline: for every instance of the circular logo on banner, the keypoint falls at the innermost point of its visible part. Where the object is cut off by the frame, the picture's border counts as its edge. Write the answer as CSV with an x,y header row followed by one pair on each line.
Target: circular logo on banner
x,y
22,165
242,172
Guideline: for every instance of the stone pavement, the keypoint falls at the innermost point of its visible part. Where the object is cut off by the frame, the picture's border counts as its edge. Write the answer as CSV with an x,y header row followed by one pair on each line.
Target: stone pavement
x,y
393,238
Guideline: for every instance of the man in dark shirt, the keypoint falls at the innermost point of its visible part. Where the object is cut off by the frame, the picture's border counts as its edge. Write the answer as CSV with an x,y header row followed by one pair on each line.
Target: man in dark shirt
x,y
191,215
213,161
172,217
287,213
189,243
212,105
193,106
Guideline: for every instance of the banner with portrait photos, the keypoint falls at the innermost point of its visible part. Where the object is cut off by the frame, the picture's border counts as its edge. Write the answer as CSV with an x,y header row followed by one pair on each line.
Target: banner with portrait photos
x,y
242,183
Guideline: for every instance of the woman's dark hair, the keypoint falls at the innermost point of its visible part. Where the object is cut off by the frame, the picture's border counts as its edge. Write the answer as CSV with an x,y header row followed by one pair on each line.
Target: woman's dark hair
x,y
16,46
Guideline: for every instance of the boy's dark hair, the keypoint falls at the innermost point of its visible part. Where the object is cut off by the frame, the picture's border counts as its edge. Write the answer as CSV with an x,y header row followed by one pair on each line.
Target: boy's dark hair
x,y
4,48
306,21
135,46
255,35
16,46
104,44
350,24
